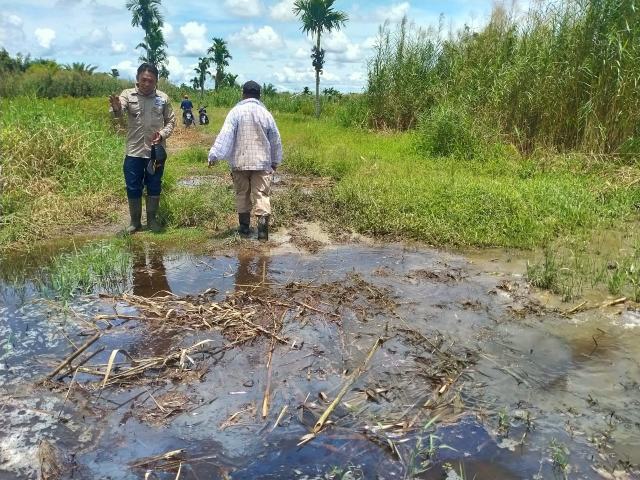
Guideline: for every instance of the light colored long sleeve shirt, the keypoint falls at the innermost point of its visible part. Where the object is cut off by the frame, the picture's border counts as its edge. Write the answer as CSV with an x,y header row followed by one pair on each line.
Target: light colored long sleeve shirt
x,y
146,114
249,138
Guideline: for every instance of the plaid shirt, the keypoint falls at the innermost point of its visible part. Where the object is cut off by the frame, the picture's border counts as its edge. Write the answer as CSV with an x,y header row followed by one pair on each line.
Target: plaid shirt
x,y
249,138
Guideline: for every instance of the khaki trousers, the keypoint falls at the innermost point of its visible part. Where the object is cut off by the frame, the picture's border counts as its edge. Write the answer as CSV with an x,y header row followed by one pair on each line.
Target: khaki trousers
x,y
252,187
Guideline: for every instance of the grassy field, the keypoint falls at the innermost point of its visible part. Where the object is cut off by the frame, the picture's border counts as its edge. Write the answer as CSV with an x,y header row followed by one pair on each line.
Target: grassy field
x,y
63,174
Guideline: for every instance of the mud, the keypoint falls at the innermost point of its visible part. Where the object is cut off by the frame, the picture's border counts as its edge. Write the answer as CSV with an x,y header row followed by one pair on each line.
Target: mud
x,y
476,378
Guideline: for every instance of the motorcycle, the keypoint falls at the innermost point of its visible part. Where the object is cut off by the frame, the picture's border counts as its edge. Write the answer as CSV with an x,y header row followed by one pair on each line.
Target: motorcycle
x,y
187,118
202,115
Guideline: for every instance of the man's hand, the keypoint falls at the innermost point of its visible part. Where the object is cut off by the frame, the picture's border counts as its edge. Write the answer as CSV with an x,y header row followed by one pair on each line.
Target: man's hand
x,y
114,101
157,138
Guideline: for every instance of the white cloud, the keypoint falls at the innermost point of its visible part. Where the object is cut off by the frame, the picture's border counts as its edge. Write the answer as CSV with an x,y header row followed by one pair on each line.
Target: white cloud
x,y
358,77
302,53
393,13
45,37
261,42
338,43
282,11
194,34
167,32
244,8
11,30
126,68
178,73
288,74
118,47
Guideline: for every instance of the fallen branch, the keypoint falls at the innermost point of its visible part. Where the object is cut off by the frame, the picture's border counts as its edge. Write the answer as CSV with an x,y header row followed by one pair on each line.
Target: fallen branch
x,y
74,355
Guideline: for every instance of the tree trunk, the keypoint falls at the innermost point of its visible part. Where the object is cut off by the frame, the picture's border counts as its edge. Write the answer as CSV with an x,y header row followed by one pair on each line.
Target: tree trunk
x,y
318,81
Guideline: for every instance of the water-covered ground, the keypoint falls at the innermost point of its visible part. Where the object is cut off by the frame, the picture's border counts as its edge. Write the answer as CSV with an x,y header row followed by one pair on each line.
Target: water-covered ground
x,y
475,378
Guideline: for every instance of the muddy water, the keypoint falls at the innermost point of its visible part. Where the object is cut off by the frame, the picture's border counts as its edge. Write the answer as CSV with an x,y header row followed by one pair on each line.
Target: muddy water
x,y
536,385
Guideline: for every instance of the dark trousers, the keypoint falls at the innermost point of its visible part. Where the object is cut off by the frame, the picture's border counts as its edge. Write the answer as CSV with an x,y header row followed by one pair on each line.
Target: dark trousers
x,y
136,177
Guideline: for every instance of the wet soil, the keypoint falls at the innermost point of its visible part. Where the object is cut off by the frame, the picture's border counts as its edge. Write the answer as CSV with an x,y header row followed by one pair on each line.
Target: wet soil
x,y
474,372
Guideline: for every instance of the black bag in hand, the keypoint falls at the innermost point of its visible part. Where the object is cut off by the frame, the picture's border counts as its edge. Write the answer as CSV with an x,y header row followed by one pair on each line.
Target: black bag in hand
x,y
158,157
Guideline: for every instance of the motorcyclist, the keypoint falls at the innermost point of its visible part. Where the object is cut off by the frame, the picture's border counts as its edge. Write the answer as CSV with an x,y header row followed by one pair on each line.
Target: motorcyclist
x,y
187,107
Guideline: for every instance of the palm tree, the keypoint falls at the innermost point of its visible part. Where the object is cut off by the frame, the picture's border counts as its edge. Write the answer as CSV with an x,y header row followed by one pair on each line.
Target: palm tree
x,y
195,82
220,57
80,67
202,70
318,16
146,14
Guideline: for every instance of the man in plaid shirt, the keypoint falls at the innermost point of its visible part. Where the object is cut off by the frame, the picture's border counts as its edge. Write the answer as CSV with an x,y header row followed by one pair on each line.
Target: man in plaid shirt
x,y
250,141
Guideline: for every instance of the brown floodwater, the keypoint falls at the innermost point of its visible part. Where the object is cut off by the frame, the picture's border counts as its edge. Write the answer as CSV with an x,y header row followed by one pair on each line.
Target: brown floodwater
x,y
477,377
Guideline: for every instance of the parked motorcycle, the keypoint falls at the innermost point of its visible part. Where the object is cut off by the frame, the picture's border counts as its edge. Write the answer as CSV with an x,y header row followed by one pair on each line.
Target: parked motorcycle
x,y
202,115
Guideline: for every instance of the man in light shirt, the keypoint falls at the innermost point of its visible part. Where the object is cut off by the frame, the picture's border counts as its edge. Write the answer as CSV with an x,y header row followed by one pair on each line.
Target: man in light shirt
x,y
150,120
250,141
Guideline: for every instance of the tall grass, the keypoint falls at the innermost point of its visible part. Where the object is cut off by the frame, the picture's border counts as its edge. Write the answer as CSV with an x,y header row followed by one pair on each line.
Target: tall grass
x,y
59,165
564,75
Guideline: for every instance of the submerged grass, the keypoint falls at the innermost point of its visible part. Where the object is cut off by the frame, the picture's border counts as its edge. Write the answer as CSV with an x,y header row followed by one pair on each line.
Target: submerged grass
x,y
104,265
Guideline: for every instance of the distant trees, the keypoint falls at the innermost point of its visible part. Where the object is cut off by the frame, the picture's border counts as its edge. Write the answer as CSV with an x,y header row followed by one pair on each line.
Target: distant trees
x,y
220,56
201,73
80,67
146,14
115,73
318,16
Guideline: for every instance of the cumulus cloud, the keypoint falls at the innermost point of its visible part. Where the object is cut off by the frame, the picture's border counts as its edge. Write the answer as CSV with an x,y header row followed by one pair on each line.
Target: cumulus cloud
x,y
262,42
195,38
11,30
45,37
118,47
357,77
393,13
282,11
339,44
126,68
167,32
297,75
244,8
178,73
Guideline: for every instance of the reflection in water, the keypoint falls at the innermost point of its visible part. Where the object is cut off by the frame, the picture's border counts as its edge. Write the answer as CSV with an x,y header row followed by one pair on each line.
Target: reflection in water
x,y
252,272
150,279
149,274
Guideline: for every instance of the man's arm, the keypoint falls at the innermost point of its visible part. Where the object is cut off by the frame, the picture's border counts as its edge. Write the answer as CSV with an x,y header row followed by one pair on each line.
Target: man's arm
x,y
276,145
169,120
225,140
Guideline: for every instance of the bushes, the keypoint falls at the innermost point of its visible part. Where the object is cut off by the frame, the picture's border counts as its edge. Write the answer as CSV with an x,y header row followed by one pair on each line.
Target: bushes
x,y
447,130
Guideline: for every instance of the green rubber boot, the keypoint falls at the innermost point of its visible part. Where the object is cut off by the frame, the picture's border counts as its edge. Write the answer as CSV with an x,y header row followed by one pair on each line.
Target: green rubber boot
x,y
153,202
135,212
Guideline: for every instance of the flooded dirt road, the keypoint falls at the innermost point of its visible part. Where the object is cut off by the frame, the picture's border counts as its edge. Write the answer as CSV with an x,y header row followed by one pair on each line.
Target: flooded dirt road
x,y
226,363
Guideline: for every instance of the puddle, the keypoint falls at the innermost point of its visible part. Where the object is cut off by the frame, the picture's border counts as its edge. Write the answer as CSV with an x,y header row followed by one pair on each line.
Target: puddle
x,y
512,385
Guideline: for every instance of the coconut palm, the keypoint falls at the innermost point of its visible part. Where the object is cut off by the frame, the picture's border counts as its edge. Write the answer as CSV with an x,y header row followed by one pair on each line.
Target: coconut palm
x,y
220,57
318,16
201,71
145,13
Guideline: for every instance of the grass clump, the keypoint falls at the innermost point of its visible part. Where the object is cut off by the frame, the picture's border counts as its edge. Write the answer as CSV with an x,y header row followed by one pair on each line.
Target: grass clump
x,y
58,167
203,206
104,266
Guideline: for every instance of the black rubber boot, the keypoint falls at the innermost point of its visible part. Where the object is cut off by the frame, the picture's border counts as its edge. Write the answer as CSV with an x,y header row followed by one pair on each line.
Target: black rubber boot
x,y
263,227
153,202
135,212
244,221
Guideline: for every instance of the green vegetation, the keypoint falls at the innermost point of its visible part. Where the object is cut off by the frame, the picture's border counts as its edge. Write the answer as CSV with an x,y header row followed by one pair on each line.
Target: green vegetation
x,y
563,76
103,266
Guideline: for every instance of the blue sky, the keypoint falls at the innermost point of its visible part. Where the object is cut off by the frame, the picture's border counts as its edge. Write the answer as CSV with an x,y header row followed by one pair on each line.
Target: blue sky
x,y
263,35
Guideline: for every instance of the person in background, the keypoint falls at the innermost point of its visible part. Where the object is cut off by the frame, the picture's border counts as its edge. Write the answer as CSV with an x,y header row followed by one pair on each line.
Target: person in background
x,y
150,120
250,141
186,106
